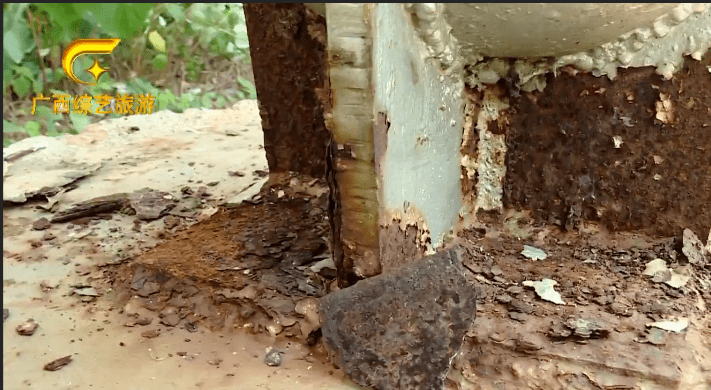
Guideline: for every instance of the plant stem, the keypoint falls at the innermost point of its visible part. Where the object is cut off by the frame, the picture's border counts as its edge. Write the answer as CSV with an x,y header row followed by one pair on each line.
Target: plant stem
x,y
38,42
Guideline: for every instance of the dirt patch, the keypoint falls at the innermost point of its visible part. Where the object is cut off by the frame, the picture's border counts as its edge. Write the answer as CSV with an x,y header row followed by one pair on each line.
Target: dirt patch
x,y
399,247
600,337
630,154
245,267
261,267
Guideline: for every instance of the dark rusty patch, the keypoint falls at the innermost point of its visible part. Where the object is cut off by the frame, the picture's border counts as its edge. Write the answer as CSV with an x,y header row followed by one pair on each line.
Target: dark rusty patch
x,y
470,144
563,163
287,46
344,266
247,264
401,330
398,247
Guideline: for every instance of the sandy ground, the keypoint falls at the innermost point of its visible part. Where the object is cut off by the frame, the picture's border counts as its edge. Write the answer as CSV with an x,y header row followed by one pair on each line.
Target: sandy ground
x,y
165,152
234,255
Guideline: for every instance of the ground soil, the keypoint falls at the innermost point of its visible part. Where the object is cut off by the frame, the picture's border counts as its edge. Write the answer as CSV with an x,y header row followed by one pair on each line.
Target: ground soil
x,y
518,340
238,275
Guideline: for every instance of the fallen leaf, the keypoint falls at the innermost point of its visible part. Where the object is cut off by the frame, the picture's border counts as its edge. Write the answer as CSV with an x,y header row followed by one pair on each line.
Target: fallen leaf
x,y
671,326
533,253
544,289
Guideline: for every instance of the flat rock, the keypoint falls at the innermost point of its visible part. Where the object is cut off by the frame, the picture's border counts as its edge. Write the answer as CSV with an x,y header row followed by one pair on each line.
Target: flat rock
x,y
170,320
57,364
150,204
694,249
92,207
41,224
401,330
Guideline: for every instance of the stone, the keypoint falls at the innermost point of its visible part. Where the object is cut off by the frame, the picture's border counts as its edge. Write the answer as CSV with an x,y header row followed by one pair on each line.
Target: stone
x,y
87,291
694,249
27,328
149,334
520,317
148,288
41,224
273,357
400,330
170,319
143,321
57,364
150,204
520,306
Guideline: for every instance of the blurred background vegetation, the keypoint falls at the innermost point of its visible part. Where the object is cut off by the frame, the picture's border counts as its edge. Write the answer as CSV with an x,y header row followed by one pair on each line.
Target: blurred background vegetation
x,y
184,54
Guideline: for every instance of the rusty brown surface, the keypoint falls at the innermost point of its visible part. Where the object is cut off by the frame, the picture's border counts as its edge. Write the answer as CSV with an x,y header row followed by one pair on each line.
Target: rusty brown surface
x,y
288,49
398,247
470,143
562,161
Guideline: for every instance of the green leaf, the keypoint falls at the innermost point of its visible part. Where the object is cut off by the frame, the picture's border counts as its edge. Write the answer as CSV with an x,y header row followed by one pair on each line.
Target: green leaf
x,y
221,102
60,13
17,42
38,84
51,126
130,19
103,14
22,86
33,128
58,74
249,88
241,40
24,71
206,101
48,113
165,100
13,15
53,133
63,17
80,122
9,127
160,61
157,41
175,11
6,77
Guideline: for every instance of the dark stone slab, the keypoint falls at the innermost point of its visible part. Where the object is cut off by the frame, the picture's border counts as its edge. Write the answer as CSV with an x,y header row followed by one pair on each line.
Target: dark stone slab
x,y
400,330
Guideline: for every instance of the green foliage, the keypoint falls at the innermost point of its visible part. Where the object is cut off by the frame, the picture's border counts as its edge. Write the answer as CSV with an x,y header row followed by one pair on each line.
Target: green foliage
x,y
157,41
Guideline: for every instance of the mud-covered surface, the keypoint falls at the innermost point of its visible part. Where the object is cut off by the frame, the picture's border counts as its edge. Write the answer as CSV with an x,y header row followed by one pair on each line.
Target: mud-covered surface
x,y
605,334
470,142
399,246
630,154
246,267
288,52
80,208
600,337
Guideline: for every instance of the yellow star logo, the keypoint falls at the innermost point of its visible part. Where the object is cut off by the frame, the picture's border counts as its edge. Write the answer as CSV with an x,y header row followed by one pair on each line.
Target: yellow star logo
x,y
96,70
